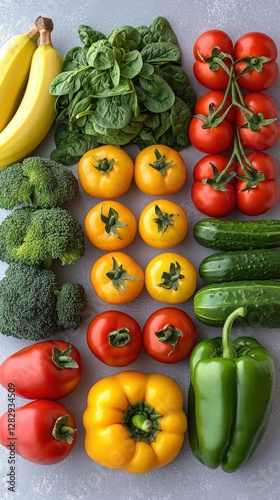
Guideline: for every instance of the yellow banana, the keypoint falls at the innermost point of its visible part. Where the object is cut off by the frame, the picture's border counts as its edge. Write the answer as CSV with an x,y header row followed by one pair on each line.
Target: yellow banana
x,y
36,112
15,61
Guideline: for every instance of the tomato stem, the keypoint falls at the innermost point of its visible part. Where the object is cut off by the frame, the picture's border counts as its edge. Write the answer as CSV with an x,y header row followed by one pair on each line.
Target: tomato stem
x,y
119,337
104,166
169,334
160,164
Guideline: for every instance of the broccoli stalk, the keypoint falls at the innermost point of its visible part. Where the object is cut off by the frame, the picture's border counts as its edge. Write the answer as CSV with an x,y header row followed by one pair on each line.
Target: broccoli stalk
x,y
35,236
37,182
33,306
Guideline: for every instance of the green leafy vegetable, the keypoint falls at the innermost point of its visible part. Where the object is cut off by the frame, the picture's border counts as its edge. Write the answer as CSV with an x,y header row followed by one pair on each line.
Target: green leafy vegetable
x,y
128,87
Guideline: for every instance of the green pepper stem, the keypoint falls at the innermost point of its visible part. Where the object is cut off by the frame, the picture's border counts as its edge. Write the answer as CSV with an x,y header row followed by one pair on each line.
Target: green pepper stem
x,y
142,422
229,351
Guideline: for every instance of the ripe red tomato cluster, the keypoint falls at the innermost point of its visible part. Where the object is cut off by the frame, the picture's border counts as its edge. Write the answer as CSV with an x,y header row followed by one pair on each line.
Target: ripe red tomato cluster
x,y
227,119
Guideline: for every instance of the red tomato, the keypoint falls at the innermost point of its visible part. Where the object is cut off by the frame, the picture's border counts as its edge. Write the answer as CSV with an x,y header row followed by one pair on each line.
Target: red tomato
x,y
115,338
213,100
255,47
169,335
210,140
253,134
44,431
203,168
50,369
212,202
208,200
207,69
207,41
215,79
264,196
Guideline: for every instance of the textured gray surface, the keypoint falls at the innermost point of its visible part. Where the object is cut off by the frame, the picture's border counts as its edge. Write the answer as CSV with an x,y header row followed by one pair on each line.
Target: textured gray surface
x,y
78,477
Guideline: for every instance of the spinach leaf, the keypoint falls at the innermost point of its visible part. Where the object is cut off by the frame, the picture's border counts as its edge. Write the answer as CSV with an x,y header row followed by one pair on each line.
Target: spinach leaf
x,y
178,80
74,59
161,53
70,146
65,83
100,55
131,64
113,112
125,37
161,31
159,96
88,36
147,70
99,85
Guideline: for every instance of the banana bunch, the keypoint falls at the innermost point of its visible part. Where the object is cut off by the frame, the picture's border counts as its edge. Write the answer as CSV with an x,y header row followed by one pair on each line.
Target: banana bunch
x,y
27,110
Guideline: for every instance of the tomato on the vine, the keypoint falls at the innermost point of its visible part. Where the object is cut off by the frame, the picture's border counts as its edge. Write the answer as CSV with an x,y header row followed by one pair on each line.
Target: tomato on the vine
x,y
211,102
213,194
257,199
210,139
210,51
254,131
169,335
115,338
255,55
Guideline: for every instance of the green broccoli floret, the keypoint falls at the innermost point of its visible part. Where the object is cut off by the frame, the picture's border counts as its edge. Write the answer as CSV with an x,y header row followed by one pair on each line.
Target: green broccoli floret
x,y
37,182
33,306
36,236
71,301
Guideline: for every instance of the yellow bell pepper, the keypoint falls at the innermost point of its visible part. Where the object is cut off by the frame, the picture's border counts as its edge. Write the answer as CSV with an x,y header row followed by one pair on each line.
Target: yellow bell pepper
x,y
134,422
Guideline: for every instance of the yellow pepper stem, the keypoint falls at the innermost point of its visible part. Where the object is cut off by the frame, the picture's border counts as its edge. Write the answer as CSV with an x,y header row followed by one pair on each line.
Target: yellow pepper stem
x,y
142,422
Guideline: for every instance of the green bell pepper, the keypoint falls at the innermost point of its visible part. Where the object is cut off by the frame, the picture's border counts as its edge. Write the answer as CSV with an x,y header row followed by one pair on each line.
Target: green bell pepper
x,y
230,397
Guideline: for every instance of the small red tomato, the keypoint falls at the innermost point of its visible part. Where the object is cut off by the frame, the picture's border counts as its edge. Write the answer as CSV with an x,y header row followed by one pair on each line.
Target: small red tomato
x,y
213,100
215,198
169,335
50,369
258,199
210,140
208,49
44,431
115,338
256,55
254,133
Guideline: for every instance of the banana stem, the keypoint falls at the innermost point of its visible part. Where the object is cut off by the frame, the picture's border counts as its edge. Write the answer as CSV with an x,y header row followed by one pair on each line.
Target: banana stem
x,y
33,32
45,27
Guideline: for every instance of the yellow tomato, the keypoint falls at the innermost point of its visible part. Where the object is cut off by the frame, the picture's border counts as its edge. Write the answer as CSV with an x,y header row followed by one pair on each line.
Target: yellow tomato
x,y
105,172
110,225
163,224
117,278
159,170
171,278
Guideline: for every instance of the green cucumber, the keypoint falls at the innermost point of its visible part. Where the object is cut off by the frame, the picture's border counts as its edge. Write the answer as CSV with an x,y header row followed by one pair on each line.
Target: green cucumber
x,y
213,303
261,264
237,235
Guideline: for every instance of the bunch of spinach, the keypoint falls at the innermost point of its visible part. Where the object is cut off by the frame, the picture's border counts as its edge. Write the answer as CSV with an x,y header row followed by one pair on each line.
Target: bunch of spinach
x,y
128,87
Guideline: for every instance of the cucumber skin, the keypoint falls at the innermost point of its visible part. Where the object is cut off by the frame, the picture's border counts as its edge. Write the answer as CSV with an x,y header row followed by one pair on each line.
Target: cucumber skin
x,y
260,264
213,303
237,235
